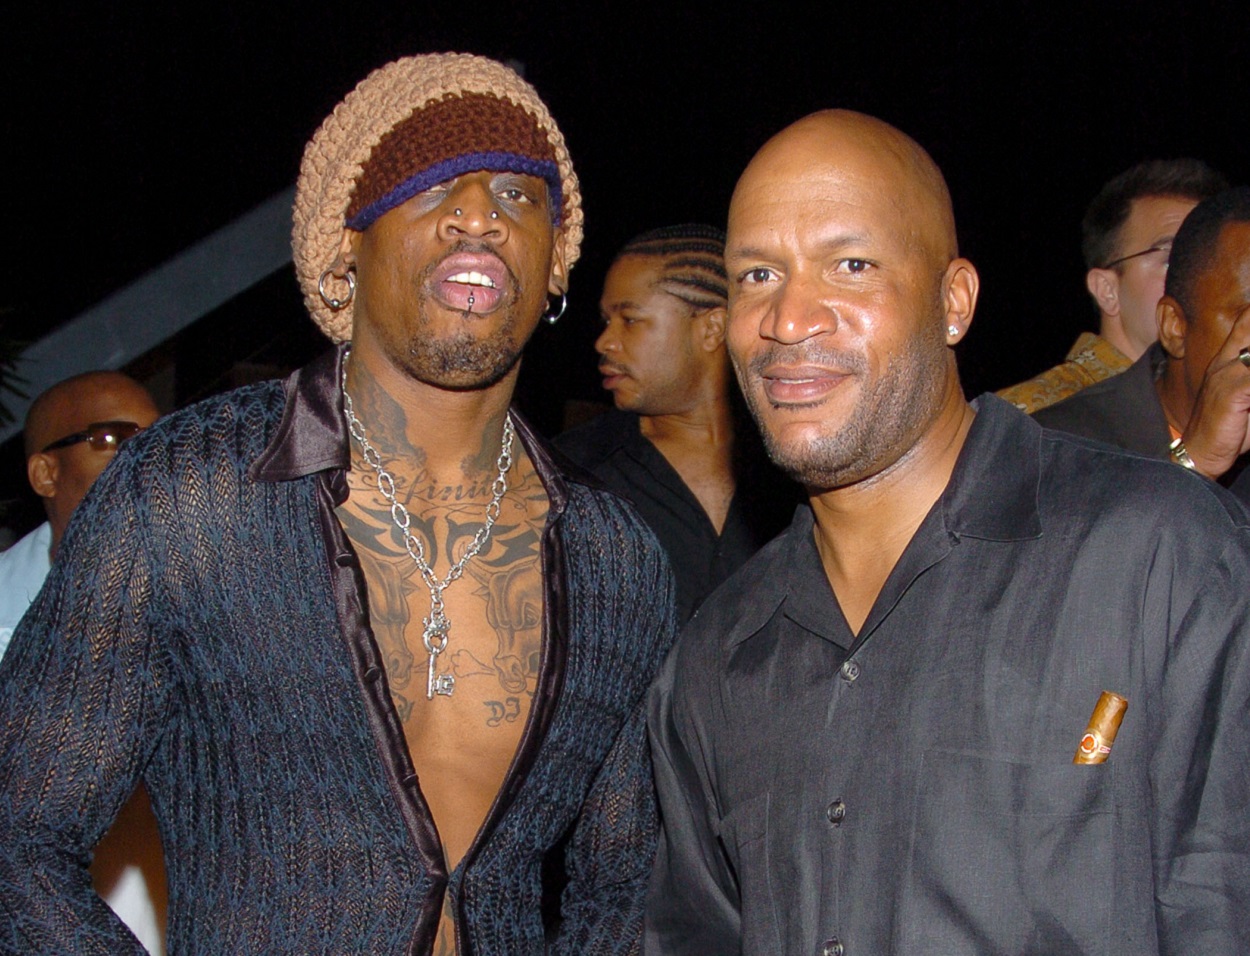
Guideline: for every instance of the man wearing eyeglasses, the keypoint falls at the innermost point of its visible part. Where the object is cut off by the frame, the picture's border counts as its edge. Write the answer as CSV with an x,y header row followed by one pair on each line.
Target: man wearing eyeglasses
x,y
1127,233
71,433
1188,397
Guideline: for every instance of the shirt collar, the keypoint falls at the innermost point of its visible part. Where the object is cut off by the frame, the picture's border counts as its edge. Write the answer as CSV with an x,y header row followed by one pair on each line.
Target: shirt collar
x,y
992,495
313,437
993,490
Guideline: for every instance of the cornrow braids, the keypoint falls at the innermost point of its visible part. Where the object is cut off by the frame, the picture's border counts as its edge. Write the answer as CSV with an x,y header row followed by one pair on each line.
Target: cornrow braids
x,y
694,262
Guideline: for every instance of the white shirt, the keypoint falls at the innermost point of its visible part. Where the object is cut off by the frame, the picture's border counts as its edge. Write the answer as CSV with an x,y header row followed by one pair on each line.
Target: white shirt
x,y
22,570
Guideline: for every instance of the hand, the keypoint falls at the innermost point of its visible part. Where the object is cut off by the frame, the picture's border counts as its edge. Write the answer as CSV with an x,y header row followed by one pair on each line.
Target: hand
x,y
1219,428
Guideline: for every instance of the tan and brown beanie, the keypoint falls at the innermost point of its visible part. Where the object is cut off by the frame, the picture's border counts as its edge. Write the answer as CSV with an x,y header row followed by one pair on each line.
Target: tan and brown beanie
x,y
406,127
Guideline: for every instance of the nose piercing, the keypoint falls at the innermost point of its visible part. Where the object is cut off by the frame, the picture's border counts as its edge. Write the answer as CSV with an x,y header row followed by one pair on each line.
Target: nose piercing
x,y
494,214
457,212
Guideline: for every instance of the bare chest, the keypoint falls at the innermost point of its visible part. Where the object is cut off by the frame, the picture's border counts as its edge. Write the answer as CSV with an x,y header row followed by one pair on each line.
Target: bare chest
x,y
482,626
462,656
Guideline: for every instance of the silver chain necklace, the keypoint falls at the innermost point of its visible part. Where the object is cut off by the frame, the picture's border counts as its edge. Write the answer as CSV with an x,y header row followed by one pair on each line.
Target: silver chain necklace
x,y
437,625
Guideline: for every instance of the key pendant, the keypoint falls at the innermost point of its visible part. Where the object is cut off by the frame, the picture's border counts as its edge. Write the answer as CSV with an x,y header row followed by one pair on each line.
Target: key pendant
x,y
436,683
435,640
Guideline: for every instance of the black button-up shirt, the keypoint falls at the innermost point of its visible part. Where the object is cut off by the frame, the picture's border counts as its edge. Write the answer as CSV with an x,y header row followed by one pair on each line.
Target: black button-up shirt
x,y
910,789
613,448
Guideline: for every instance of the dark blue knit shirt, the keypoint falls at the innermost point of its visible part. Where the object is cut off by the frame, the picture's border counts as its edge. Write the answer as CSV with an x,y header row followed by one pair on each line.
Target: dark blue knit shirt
x,y
204,630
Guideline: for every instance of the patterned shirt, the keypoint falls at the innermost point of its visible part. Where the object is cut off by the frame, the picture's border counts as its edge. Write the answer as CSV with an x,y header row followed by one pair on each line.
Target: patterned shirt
x,y
1091,359
208,633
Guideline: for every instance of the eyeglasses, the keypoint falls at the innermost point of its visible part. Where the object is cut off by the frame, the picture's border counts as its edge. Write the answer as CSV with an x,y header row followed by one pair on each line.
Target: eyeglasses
x,y
1164,247
102,436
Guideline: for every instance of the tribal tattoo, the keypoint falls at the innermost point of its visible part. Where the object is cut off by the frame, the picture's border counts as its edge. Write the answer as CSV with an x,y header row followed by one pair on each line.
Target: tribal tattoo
x,y
506,574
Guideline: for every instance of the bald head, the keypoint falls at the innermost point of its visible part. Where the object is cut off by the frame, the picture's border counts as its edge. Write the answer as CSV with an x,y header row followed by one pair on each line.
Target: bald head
x,y
866,157
73,404
62,476
846,294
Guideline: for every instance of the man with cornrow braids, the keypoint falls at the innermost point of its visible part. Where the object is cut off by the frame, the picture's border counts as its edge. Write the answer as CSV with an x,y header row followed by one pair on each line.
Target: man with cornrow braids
x,y
678,444
377,656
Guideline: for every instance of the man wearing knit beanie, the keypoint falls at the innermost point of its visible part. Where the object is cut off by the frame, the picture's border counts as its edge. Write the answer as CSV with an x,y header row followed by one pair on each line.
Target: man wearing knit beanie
x,y
377,657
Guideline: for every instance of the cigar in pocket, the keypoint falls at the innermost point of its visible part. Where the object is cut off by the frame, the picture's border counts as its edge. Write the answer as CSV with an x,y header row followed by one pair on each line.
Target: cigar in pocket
x,y
1104,724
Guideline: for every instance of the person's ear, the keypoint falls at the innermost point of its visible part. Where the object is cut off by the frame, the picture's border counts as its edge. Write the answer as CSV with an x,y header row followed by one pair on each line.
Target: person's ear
x,y
1173,326
710,329
558,281
1104,286
345,261
42,471
960,287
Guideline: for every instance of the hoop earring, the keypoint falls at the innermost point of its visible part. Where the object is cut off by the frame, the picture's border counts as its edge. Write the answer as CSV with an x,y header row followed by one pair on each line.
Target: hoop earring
x,y
333,304
553,319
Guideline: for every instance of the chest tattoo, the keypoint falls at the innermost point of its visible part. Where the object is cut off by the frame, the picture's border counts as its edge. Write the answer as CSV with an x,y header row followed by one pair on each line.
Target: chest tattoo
x,y
506,576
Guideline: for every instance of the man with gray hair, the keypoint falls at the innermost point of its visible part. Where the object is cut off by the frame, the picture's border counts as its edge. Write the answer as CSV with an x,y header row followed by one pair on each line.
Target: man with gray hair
x,y
378,659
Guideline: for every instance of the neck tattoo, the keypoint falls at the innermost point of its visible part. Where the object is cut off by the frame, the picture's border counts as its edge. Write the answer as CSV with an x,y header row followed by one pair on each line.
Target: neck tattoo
x,y
437,625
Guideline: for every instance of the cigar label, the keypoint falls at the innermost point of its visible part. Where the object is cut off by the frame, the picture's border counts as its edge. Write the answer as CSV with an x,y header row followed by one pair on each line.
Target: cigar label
x,y
1104,724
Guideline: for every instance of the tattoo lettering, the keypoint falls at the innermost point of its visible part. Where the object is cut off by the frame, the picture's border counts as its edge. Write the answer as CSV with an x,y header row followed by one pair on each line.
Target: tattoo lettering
x,y
509,710
506,575
476,490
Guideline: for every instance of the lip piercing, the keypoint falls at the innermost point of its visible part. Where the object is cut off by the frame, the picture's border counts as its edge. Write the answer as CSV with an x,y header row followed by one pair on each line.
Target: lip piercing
x,y
471,300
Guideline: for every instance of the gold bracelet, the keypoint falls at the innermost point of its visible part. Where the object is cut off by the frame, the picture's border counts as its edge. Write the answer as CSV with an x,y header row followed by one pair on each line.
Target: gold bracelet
x,y
1178,454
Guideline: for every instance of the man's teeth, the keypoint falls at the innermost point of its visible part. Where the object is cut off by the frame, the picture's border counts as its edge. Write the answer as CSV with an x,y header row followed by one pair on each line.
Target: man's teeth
x,y
472,278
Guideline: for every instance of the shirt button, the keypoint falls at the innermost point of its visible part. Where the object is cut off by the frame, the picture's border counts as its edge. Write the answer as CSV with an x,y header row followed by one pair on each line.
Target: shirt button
x,y
833,947
835,812
850,670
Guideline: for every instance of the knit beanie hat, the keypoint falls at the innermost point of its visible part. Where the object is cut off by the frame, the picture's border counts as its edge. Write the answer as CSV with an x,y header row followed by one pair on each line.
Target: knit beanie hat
x,y
406,127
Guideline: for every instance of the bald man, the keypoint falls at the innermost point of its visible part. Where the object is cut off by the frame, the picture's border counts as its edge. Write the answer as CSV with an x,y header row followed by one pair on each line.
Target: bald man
x,y
874,738
71,434
72,431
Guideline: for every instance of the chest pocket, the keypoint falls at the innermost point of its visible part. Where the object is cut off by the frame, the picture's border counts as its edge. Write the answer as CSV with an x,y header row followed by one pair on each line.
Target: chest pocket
x,y
1009,857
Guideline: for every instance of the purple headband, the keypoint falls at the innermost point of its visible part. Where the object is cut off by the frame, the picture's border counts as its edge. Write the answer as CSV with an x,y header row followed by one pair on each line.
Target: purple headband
x,y
447,169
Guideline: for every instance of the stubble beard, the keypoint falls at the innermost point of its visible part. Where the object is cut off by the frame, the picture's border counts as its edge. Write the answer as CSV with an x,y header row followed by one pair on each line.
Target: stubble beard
x,y
461,361
888,416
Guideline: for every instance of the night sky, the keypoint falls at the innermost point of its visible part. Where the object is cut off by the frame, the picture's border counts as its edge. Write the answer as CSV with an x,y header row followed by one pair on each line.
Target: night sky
x,y
131,130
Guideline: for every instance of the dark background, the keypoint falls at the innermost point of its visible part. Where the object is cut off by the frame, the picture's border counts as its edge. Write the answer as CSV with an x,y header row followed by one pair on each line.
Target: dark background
x,y
132,130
